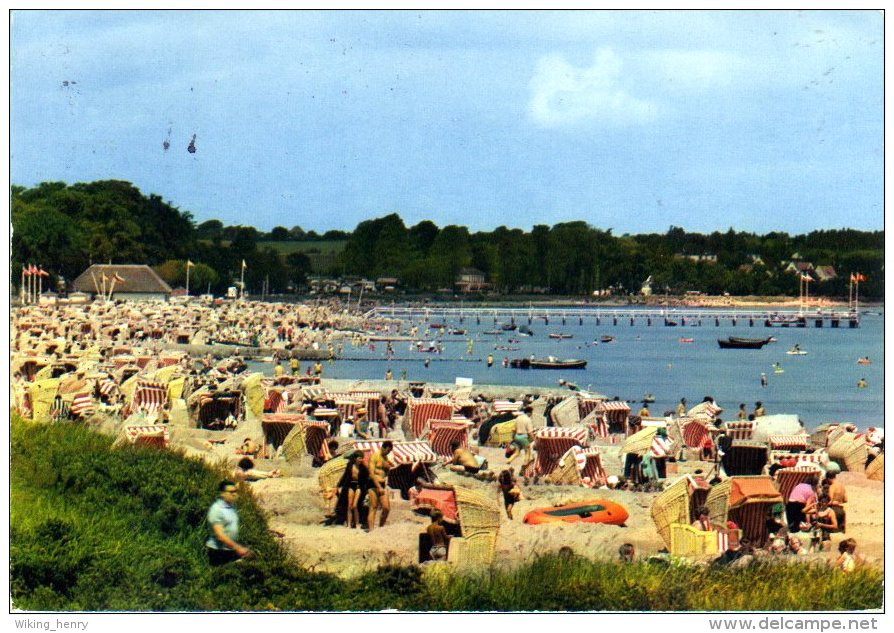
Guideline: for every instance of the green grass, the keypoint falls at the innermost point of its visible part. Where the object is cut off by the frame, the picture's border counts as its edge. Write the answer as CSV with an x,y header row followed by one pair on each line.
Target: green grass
x,y
95,528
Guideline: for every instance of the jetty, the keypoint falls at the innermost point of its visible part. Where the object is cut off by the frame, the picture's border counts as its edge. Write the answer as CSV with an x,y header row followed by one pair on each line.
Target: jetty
x,y
668,317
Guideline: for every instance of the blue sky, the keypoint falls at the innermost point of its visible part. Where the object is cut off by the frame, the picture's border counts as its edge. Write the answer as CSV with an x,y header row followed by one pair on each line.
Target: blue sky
x,y
633,121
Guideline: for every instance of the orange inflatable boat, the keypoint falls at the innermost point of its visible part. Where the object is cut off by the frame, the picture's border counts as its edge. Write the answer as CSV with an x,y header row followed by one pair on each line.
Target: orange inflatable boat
x,y
595,511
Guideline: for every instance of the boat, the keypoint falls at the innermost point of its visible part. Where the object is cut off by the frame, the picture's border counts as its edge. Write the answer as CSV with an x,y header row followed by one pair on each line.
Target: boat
x,y
594,511
796,352
560,335
438,326
606,338
741,343
864,361
786,321
492,332
524,329
687,340
508,327
550,362
457,332
648,398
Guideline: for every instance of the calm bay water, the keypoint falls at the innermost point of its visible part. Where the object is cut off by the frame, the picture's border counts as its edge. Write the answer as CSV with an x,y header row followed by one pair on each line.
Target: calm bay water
x,y
819,387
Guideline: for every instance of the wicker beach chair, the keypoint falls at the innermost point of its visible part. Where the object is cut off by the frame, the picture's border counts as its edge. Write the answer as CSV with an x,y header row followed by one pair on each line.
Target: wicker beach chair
x,y
501,434
579,467
849,450
678,503
331,472
479,519
876,468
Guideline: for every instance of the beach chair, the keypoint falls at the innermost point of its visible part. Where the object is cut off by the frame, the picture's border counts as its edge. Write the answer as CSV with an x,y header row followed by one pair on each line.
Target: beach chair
x,y
739,430
156,435
479,522
678,503
442,433
149,397
421,410
579,467
687,541
501,434
276,428
793,443
403,457
788,478
849,450
745,457
747,501
551,444
876,468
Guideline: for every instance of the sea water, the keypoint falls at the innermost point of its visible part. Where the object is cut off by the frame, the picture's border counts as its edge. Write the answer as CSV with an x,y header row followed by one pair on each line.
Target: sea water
x,y
819,387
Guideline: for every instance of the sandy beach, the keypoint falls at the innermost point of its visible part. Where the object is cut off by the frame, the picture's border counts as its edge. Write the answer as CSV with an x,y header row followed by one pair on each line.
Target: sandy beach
x,y
295,509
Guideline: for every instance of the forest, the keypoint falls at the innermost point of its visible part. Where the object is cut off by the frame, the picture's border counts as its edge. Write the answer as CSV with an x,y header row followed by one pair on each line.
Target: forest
x,y
65,228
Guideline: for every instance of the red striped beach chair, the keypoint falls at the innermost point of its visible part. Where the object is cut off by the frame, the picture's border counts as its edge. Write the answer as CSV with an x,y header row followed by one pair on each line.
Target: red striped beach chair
x,y
276,427
694,433
274,401
819,458
788,442
148,435
403,457
788,478
551,443
420,411
149,397
370,400
507,406
739,430
617,415
586,405
442,433
82,405
316,435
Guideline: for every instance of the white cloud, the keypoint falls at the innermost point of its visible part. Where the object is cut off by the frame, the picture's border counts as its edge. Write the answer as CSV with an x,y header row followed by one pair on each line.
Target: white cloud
x,y
563,95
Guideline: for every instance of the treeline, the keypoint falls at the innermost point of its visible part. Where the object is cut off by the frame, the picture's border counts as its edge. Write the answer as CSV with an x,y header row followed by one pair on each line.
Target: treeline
x,y
67,227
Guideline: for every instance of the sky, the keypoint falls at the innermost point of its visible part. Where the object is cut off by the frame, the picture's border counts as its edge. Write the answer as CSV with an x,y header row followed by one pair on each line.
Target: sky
x,y
633,121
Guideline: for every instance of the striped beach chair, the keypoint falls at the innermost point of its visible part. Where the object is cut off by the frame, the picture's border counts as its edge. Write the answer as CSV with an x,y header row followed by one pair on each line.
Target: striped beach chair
x,y
147,435
820,458
797,442
551,443
788,478
370,400
276,427
746,501
403,457
739,430
442,433
694,433
149,397
82,405
420,411
585,405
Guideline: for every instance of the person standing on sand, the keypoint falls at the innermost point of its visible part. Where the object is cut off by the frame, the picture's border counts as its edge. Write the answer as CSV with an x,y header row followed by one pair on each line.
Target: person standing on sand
x,y
524,429
221,545
379,465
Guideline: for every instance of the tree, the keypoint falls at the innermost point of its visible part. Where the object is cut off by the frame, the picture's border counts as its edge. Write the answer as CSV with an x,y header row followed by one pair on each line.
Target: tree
x,y
280,234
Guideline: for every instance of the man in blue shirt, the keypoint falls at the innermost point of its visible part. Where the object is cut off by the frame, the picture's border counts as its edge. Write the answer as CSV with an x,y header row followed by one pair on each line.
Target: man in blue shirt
x,y
221,545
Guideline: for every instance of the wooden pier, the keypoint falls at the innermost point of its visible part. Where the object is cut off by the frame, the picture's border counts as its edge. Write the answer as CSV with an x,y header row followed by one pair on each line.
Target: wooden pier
x,y
665,317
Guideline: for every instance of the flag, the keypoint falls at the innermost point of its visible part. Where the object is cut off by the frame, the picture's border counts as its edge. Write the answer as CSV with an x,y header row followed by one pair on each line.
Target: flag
x,y
806,277
32,269
27,272
118,278
243,265
853,278
189,263
43,273
861,277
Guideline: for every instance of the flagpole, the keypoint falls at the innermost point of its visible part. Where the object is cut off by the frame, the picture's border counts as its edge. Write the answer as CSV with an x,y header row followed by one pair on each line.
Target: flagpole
x,y
30,286
39,283
187,277
22,287
242,281
857,296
